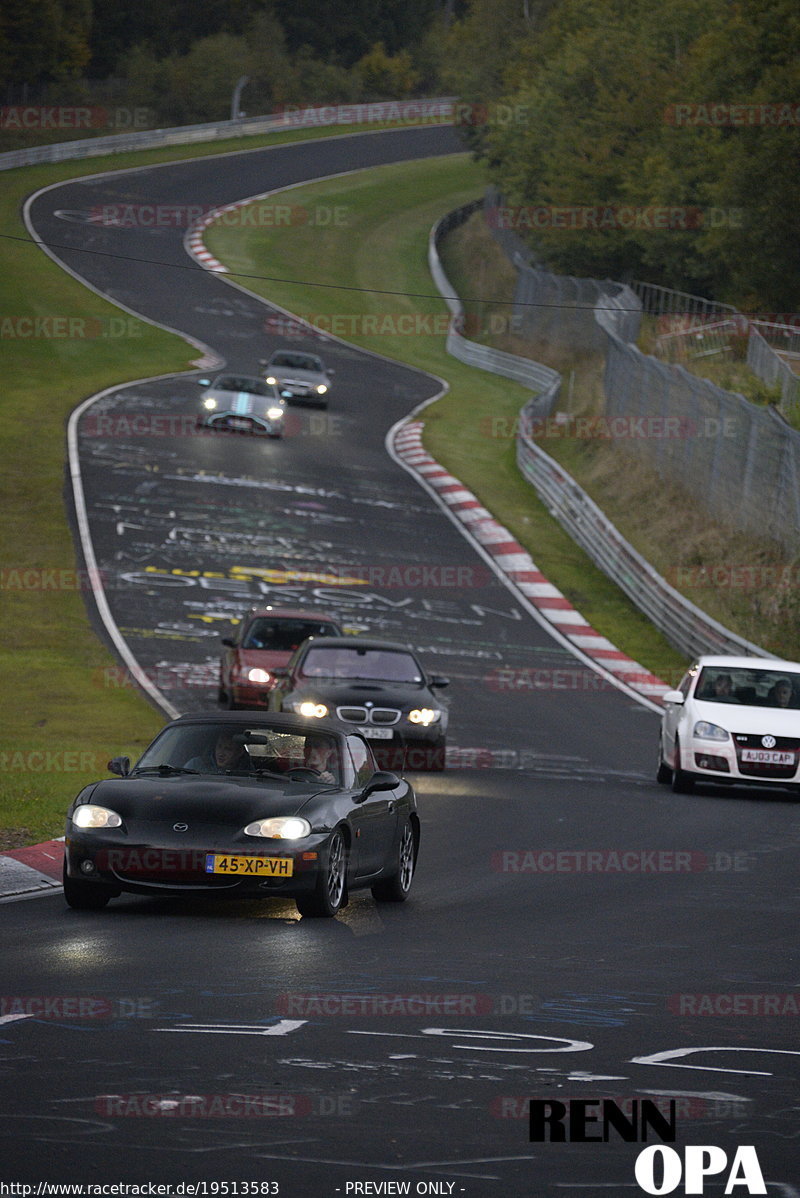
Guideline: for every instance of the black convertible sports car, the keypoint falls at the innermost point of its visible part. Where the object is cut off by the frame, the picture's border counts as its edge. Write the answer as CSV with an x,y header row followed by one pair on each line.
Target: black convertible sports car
x,y
245,804
378,688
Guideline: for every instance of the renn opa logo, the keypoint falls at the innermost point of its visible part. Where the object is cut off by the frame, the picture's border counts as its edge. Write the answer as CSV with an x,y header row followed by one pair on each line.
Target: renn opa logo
x,y
659,1169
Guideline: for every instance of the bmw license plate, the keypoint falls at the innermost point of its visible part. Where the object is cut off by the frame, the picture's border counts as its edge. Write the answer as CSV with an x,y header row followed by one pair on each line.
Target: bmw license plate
x,y
253,867
376,733
768,756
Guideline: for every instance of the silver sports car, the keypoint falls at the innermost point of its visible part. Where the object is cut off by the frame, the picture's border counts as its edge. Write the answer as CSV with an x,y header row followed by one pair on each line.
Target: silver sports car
x,y
299,376
241,404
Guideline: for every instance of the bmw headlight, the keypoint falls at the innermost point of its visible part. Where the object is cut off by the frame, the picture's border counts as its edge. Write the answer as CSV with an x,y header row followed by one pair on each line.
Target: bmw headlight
x,y
274,413
424,716
257,675
705,731
309,708
209,404
321,389
91,816
281,828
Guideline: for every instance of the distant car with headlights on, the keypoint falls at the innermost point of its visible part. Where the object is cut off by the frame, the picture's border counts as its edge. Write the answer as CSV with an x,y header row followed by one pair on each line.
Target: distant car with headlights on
x,y
265,638
241,404
245,805
378,688
299,376
732,719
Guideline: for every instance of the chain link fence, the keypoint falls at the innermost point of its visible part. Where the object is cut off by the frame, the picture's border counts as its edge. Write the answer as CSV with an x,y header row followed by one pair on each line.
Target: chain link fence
x,y
740,461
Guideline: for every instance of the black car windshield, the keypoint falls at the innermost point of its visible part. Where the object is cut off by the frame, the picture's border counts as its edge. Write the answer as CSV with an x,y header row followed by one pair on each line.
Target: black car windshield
x,y
383,665
751,688
297,362
217,748
232,382
283,635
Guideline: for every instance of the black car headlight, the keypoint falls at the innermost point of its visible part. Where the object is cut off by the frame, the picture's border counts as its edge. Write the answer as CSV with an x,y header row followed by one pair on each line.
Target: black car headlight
x,y
283,827
310,708
91,816
425,716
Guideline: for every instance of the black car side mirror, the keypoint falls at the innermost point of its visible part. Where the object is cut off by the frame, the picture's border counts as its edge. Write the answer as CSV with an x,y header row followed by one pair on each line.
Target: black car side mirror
x,y
120,766
380,780
229,641
279,672
438,680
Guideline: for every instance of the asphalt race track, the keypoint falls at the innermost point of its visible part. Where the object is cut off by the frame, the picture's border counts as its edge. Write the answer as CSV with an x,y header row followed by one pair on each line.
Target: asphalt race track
x,y
575,930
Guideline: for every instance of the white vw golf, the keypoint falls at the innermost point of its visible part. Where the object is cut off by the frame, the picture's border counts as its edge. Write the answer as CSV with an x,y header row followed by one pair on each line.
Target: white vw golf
x,y
732,719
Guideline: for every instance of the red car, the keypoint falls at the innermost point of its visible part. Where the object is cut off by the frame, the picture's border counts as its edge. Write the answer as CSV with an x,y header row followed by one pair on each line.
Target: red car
x,y
265,638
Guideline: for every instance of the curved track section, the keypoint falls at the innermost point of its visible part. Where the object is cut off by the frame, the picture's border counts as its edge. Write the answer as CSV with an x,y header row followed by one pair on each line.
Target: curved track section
x,y
570,920
188,530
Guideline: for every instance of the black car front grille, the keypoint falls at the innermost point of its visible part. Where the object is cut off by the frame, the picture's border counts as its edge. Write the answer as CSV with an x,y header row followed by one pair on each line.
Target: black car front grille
x,y
766,769
368,715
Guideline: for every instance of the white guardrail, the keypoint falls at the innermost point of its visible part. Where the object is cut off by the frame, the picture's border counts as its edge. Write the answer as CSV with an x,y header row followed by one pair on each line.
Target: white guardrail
x,y
392,112
684,625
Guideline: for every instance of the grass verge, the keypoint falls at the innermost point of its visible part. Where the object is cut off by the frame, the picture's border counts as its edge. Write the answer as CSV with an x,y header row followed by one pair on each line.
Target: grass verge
x,y
383,247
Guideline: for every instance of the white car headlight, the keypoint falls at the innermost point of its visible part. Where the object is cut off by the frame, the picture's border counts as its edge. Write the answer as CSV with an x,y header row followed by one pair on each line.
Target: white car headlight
x,y
274,413
91,816
321,389
309,708
705,731
257,675
271,380
209,404
280,828
424,716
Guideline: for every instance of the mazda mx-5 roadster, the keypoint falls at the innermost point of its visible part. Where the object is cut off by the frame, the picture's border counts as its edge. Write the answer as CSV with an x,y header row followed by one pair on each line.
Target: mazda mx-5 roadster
x,y
248,805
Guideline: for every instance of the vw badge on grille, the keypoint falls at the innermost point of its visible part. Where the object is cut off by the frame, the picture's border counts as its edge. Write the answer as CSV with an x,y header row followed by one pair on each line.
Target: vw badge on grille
x,y
768,742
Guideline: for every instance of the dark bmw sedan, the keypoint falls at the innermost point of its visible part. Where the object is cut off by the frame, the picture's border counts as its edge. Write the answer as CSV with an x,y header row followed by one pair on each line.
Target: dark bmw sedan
x,y
378,688
248,805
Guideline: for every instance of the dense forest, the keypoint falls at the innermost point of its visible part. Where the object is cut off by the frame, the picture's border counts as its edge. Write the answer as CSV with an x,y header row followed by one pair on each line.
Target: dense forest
x,y
629,139
683,116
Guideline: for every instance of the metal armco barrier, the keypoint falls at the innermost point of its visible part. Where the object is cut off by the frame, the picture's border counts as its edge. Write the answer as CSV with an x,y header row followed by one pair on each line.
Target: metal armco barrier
x,y
684,625
542,379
